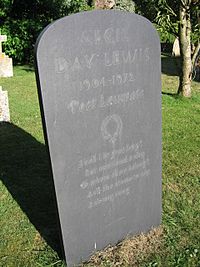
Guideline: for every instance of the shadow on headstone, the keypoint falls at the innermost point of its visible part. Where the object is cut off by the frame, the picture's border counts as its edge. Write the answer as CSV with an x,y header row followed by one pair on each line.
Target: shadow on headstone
x,y
26,173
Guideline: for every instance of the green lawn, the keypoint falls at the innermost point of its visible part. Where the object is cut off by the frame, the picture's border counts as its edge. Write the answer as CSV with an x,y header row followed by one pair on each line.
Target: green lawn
x,y
28,227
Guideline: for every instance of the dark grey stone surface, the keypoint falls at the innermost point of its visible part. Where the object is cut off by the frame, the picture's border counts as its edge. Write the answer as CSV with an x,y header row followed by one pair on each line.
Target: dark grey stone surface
x,y
100,93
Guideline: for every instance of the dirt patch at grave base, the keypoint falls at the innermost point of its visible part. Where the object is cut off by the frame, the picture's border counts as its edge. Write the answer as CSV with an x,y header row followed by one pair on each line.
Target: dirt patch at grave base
x,y
130,252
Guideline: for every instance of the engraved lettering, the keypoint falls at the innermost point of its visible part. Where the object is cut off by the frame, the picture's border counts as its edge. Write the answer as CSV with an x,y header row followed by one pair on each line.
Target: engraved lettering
x,y
86,85
85,37
73,105
88,161
119,33
113,59
90,172
102,102
110,175
97,37
146,52
108,36
88,60
102,82
108,59
95,83
129,57
76,106
116,79
61,65
76,65
96,192
131,77
116,58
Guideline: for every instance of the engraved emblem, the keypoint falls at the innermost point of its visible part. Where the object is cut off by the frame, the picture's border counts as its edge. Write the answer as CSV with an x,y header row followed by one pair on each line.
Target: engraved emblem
x,y
84,185
111,128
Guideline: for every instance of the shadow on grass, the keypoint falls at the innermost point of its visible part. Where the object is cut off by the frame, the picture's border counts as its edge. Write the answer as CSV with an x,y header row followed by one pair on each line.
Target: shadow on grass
x,y
174,95
28,69
170,65
26,173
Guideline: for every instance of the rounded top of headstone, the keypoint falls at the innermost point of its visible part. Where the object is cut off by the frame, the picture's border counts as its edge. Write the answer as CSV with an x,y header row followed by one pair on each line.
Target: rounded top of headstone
x,y
98,18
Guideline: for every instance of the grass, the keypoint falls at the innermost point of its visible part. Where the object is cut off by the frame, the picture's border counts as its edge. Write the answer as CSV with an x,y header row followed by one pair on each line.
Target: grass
x,y
29,234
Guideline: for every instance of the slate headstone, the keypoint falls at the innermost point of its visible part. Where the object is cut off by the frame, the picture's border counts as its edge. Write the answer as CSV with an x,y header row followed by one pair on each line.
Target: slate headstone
x,y
98,76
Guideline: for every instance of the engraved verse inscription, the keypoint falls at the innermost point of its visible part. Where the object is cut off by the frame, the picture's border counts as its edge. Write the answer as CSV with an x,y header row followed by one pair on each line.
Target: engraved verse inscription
x,y
110,175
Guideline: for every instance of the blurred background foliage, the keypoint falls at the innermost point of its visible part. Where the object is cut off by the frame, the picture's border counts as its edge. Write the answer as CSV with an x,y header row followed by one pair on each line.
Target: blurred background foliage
x,y
23,20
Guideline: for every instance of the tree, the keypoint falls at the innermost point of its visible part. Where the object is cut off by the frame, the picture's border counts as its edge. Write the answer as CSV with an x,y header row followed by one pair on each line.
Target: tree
x,y
178,18
104,4
126,5
185,7
181,18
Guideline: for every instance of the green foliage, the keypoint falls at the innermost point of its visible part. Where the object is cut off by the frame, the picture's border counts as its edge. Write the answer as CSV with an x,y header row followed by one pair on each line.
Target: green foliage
x,y
164,13
72,6
161,13
22,21
165,37
167,19
165,24
5,6
126,5
21,36
147,8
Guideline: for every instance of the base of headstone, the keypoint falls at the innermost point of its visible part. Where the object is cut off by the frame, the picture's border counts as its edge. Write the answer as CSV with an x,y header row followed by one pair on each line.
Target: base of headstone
x,y
4,106
6,66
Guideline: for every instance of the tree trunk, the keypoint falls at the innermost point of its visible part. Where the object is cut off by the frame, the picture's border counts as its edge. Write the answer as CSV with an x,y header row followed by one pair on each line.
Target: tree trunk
x,y
185,49
104,4
195,54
